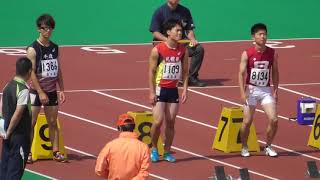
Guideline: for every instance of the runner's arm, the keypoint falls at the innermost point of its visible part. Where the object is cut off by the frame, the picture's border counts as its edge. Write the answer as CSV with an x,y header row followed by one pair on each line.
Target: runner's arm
x,y
242,73
60,78
185,70
275,73
62,97
153,63
31,54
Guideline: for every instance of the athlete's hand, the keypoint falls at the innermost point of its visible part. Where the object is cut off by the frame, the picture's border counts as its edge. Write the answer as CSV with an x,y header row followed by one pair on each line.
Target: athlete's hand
x,y
184,96
275,95
243,97
152,99
62,97
3,136
43,98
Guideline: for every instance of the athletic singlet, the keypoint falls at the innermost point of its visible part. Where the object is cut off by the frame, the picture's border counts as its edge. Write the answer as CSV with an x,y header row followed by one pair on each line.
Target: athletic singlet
x,y
169,68
259,66
47,66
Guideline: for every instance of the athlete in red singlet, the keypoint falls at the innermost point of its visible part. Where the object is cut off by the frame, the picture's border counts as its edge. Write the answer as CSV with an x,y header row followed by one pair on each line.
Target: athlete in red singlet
x,y
168,63
259,64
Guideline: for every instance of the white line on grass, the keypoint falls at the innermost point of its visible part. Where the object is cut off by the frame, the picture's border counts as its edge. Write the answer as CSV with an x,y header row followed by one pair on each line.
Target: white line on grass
x,y
40,174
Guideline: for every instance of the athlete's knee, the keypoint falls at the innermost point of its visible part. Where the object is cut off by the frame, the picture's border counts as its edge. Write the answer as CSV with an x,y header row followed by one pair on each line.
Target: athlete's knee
x,y
156,124
170,124
274,122
53,125
246,124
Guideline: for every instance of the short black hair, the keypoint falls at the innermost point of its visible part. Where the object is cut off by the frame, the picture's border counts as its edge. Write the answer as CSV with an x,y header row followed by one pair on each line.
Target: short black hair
x,y
47,20
171,23
23,66
127,127
258,26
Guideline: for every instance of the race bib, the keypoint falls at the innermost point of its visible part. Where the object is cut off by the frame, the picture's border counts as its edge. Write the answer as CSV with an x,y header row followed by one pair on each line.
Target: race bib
x,y
172,71
49,68
259,77
2,130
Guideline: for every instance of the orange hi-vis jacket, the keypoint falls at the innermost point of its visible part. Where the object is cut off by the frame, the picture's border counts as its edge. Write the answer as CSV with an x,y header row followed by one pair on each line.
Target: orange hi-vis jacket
x,y
124,158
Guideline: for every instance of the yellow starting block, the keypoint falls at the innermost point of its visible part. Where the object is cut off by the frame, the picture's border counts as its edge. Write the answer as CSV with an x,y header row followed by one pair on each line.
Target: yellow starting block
x,y
314,137
227,138
143,120
41,146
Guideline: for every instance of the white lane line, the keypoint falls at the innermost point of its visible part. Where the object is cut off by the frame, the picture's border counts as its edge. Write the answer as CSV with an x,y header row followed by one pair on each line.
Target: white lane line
x,y
299,93
207,87
173,147
230,102
224,163
206,125
91,155
40,174
143,106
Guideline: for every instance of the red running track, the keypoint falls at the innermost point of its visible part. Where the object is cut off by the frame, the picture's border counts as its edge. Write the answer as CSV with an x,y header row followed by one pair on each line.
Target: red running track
x,y
198,118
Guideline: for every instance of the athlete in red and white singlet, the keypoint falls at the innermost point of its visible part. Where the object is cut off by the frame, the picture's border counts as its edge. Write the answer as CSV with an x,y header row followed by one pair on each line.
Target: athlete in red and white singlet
x,y
258,66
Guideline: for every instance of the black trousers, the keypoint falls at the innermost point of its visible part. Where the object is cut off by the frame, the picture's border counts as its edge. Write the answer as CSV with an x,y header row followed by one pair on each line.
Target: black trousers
x,y
15,151
197,54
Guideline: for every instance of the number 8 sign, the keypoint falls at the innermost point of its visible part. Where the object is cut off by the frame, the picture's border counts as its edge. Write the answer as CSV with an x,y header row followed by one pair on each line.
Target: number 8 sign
x,y
143,120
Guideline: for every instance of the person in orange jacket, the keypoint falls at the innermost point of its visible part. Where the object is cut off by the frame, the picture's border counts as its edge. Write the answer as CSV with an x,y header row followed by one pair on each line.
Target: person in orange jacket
x,y
125,157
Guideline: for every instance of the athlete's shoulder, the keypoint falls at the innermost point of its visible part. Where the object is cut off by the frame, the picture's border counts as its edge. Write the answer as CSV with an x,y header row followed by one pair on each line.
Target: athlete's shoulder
x,y
182,47
33,45
160,46
270,50
54,44
250,51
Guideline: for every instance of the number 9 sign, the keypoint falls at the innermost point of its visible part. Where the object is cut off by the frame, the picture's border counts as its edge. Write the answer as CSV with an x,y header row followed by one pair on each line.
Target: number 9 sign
x,y
41,145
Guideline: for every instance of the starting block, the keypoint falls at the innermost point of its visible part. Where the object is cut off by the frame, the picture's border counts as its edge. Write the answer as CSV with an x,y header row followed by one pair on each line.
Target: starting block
x,y
244,174
314,137
220,174
312,171
41,146
227,138
143,120
306,108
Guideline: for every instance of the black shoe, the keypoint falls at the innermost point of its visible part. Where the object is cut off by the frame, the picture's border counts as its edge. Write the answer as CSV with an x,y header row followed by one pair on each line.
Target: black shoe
x,y
196,82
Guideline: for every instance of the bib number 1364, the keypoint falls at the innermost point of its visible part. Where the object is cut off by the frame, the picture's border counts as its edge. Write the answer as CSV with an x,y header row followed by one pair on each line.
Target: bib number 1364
x,y
49,68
